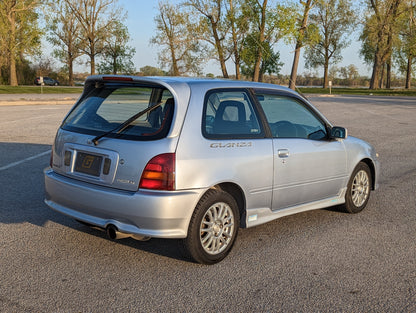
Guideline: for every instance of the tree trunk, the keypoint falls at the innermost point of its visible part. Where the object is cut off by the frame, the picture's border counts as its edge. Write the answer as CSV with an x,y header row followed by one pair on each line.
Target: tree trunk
x,y
13,74
375,78
71,72
236,57
92,63
294,72
175,69
12,49
256,73
115,65
381,82
388,75
235,42
326,66
409,72
220,51
299,44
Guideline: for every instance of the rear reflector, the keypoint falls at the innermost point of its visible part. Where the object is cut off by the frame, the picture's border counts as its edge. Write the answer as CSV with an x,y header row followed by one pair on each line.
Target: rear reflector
x,y
107,165
67,158
159,173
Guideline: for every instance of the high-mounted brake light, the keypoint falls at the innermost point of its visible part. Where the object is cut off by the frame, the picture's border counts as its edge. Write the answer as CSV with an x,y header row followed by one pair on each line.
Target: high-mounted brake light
x,y
159,173
119,78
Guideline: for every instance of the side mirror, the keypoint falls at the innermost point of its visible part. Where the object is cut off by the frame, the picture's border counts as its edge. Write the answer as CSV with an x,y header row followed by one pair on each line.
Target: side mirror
x,y
339,132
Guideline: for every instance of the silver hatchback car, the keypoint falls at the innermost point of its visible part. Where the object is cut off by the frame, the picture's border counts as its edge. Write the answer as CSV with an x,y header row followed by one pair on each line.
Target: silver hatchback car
x,y
196,159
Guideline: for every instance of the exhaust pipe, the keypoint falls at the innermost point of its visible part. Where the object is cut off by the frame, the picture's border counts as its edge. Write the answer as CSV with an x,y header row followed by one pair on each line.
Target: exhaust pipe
x,y
114,234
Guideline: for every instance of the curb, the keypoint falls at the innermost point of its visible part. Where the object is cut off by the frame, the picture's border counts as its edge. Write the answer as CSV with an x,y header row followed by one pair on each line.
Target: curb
x,y
36,102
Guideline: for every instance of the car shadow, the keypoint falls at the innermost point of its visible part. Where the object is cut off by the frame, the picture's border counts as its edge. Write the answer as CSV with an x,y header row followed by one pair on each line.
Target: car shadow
x,y
170,248
21,180
22,198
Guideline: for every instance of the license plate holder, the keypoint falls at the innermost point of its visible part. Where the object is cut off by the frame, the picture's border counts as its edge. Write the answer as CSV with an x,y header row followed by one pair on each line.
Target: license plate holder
x,y
88,164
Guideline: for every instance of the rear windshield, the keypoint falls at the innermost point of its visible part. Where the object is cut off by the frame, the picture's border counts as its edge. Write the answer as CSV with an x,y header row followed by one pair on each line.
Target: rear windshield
x,y
107,106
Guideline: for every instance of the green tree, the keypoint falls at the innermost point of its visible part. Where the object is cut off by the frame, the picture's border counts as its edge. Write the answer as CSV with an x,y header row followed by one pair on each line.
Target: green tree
x,y
152,71
406,52
270,61
267,27
19,33
378,36
116,53
213,27
64,34
335,20
239,25
303,32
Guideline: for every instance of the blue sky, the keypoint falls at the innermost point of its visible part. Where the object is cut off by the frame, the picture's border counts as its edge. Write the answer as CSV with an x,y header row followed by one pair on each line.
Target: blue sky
x,y
141,26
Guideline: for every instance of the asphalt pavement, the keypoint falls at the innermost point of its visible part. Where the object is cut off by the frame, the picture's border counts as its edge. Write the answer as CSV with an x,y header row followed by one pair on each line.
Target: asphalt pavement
x,y
318,261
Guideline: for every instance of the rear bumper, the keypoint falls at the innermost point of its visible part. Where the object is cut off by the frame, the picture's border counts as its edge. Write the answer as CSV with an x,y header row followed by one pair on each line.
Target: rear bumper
x,y
145,213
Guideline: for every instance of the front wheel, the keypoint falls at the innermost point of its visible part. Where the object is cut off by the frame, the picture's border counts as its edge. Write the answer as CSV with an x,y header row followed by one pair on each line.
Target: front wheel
x,y
358,190
213,227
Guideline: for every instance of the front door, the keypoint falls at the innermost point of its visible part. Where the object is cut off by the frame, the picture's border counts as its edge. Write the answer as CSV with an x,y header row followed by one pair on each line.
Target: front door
x,y
308,166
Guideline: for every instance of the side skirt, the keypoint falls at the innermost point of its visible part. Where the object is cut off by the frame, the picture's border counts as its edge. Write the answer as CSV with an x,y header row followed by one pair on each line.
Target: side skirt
x,y
260,216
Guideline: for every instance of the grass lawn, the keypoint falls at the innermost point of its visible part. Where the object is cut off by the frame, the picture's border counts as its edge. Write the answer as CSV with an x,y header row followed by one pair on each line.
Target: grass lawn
x,y
312,90
359,91
37,89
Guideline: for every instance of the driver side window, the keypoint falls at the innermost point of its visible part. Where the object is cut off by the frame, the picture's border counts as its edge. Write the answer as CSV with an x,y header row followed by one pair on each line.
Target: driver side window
x,y
289,118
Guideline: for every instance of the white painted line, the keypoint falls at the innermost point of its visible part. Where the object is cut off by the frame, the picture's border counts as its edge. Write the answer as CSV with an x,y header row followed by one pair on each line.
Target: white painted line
x,y
24,160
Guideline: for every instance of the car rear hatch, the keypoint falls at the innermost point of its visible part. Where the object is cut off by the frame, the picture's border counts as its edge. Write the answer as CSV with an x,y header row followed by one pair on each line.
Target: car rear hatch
x,y
117,126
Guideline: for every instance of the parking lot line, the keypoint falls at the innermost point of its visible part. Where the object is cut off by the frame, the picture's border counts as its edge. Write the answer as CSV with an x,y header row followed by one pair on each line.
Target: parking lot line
x,y
24,160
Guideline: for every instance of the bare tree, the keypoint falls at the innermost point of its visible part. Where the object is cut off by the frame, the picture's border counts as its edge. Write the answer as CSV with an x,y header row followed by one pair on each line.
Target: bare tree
x,y
174,33
95,18
65,35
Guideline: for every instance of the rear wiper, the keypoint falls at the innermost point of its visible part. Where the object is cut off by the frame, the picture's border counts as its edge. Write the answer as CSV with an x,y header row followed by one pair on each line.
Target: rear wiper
x,y
120,128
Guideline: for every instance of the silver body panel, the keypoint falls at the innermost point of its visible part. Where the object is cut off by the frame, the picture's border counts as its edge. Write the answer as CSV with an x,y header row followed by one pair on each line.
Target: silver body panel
x,y
277,177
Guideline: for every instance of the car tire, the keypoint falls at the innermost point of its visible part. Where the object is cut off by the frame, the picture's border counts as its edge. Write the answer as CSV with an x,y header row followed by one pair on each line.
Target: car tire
x,y
213,228
358,189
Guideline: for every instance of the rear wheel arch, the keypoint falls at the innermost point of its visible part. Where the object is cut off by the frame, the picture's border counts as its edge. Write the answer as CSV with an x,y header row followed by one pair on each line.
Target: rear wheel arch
x,y
237,193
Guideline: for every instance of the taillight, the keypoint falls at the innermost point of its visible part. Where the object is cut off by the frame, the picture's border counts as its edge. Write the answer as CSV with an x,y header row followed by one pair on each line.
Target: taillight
x,y
159,173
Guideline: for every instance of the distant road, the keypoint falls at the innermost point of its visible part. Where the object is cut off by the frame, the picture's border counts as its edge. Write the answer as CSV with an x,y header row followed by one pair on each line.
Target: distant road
x,y
37,98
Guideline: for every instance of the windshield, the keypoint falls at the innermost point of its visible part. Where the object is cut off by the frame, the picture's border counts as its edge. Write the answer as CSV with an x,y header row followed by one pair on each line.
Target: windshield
x,y
105,108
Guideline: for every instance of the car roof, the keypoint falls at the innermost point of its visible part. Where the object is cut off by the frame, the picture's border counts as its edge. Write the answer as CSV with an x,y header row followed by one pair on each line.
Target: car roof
x,y
208,83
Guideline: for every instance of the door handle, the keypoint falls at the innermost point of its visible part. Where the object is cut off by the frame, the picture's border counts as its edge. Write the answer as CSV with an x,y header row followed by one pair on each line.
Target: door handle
x,y
283,153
